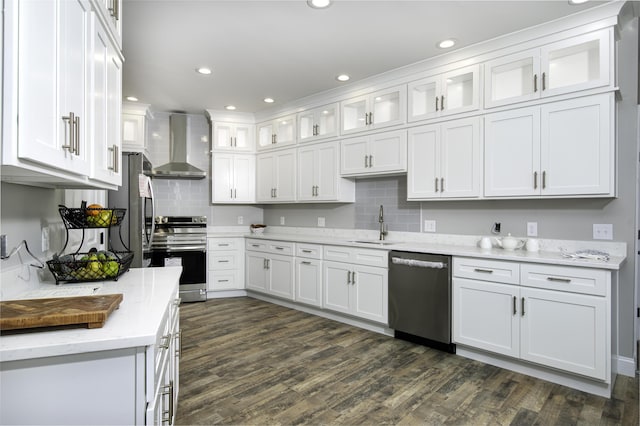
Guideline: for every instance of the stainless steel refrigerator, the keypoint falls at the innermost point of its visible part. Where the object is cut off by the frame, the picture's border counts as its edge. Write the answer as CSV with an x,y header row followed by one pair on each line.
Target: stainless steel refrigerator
x,y
136,195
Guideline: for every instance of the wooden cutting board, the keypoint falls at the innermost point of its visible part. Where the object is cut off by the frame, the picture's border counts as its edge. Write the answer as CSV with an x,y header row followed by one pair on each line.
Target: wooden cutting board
x,y
31,313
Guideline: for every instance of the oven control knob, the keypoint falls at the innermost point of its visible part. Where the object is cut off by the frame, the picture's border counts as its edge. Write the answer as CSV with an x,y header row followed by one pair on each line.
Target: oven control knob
x,y
165,219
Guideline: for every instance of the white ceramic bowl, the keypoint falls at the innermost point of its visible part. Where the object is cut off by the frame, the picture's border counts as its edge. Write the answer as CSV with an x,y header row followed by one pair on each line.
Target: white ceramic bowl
x,y
257,230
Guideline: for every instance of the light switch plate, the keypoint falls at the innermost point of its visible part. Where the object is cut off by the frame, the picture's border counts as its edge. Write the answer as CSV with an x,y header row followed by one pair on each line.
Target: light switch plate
x,y
281,220
240,220
532,229
603,231
321,222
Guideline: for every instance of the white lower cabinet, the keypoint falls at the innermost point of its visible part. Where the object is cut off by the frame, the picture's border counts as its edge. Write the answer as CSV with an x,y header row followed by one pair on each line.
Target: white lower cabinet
x,y
225,258
566,330
308,278
270,267
356,289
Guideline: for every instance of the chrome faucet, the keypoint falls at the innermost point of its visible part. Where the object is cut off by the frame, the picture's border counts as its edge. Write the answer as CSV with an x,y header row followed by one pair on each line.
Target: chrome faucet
x,y
383,230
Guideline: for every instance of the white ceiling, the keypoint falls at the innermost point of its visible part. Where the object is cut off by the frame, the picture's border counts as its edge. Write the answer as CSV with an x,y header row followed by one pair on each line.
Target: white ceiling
x,y
287,50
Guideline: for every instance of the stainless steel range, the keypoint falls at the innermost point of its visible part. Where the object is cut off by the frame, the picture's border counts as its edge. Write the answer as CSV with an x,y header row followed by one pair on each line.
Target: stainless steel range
x,y
182,240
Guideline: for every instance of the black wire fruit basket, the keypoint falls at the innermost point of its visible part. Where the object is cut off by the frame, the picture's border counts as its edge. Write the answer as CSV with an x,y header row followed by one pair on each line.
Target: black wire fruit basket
x,y
80,218
91,266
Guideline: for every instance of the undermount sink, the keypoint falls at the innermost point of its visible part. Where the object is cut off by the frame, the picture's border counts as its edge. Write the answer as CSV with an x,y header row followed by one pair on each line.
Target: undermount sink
x,y
376,242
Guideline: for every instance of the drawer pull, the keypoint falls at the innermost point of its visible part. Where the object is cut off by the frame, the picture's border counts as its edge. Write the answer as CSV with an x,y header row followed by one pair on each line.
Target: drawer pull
x,y
223,281
484,271
223,245
255,245
515,309
305,263
522,307
279,248
307,251
559,280
223,261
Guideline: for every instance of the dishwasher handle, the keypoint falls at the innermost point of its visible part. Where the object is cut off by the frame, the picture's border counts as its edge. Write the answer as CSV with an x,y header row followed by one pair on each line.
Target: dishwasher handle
x,y
418,263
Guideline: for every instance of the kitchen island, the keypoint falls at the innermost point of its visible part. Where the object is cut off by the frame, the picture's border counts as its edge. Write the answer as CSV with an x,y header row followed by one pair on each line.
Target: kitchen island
x,y
123,373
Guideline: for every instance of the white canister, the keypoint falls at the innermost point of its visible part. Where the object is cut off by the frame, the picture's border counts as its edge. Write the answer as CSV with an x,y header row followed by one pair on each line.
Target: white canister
x,y
532,245
485,243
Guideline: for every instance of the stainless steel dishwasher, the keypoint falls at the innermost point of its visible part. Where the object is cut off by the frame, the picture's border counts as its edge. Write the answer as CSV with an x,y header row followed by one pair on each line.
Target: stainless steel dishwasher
x,y
420,298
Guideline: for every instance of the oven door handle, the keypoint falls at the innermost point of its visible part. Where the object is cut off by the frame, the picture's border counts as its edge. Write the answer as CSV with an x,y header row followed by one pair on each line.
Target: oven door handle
x,y
179,249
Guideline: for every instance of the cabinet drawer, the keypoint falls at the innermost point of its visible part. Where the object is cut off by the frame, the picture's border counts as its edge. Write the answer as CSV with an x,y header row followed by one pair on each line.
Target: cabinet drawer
x,y
565,278
256,245
359,256
216,244
486,270
280,247
224,280
223,260
310,251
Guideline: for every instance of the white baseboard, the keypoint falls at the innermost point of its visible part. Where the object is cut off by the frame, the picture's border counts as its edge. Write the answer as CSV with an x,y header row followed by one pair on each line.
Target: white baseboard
x,y
225,293
625,366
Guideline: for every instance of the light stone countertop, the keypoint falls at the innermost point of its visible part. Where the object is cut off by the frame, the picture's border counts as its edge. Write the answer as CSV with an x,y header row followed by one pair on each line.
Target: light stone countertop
x,y
146,295
454,245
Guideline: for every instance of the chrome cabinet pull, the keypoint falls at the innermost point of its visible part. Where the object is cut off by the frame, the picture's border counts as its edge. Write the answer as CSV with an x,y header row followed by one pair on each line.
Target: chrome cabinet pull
x,y
441,184
223,261
306,251
235,193
305,262
366,164
559,280
76,137
223,281
275,192
544,179
264,263
371,161
116,157
230,193
370,118
522,307
112,149
485,271
515,311
442,103
223,245
535,83
436,103
535,180
348,277
436,184
70,119
279,248
544,82
255,245
353,277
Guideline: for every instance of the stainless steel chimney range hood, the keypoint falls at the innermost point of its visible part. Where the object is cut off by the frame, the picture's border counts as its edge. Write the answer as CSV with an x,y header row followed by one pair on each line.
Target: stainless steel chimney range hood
x,y
177,167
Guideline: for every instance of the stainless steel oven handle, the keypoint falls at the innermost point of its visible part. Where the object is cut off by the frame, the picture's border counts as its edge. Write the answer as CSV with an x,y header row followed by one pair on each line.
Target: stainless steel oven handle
x,y
179,249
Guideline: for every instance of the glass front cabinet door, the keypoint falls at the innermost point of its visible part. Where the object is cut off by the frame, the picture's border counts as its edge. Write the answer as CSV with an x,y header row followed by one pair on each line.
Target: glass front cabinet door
x,y
318,123
452,92
379,109
577,63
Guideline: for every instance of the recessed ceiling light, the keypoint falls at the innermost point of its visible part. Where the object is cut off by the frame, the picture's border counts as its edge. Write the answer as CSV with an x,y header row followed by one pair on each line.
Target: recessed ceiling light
x,y
203,70
319,4
230,107
269,100
343,77
577,1
132,98
445,44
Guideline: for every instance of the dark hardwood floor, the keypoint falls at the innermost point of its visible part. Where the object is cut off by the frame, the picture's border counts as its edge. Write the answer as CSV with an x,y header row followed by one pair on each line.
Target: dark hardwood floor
x,y
245,361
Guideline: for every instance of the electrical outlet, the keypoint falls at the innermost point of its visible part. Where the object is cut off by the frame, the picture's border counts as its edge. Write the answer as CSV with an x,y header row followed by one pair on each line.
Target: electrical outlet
x,y
240,220
532,229
602,231
45,239
429,226
321,222
281,220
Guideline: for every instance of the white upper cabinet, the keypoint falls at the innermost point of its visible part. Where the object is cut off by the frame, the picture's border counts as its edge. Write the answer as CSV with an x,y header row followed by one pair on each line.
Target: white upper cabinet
x,y
276,133
233,178
375,154
318,175
452,92
53,86
318,123
276,176
135,123
379,109
62,78
106,86
558,149
445,161
233,136
578,63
